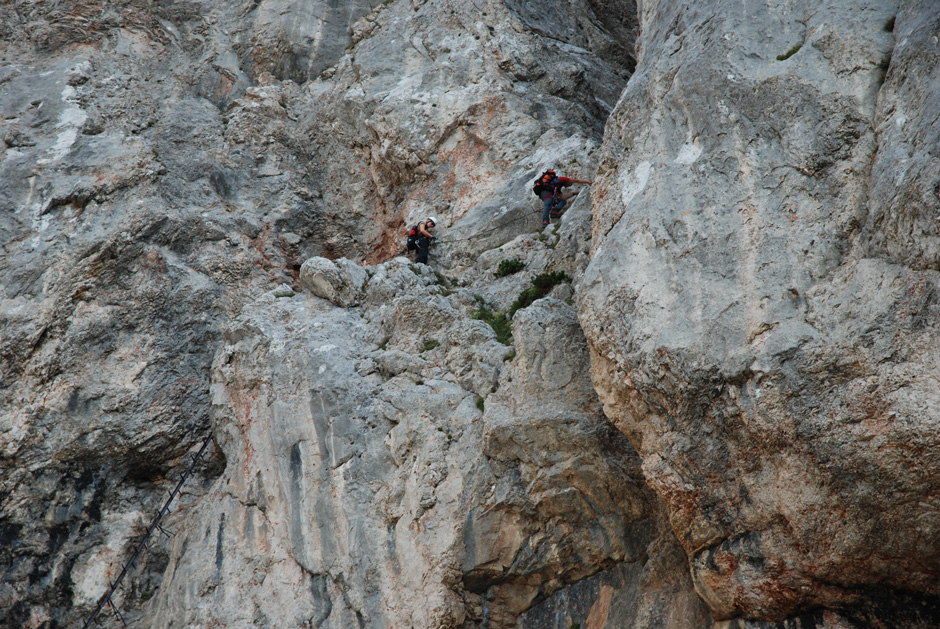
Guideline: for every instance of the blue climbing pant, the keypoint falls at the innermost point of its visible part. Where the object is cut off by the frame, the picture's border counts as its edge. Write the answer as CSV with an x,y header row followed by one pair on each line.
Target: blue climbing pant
x,y
548,207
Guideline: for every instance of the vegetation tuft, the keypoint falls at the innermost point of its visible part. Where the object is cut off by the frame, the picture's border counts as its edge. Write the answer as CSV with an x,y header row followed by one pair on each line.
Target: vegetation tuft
x,y
429,345
541,285
500,323
789,53
885,63
480,403
510,266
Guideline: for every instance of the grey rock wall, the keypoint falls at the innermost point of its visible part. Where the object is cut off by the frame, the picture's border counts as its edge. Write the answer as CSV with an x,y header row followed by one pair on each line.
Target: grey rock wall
x,y
761,303
161,165
201,205
392,464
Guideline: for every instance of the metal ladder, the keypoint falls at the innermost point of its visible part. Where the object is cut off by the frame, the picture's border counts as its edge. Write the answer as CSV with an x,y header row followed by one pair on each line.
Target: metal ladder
x,y
154,526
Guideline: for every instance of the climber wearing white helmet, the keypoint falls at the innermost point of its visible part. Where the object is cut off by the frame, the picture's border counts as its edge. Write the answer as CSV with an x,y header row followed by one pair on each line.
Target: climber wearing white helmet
x,y
420,238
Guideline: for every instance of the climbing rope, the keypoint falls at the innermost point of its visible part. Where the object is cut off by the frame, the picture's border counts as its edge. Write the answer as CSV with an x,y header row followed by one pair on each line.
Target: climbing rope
x,y
154,526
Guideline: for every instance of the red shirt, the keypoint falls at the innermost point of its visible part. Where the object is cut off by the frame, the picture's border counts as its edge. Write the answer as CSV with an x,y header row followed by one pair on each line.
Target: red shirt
x,y
560,182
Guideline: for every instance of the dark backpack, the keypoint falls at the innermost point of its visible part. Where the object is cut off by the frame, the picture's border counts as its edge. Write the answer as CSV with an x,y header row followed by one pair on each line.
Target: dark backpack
x,y
413,236
545,183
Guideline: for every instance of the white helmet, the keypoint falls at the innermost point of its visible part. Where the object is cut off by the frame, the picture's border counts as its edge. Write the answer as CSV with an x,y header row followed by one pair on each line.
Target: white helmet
x,y
432,219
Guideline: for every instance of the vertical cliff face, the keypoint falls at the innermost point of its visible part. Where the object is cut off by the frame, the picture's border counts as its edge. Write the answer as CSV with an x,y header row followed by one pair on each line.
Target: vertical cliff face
x,y
761,305
722,414
163,165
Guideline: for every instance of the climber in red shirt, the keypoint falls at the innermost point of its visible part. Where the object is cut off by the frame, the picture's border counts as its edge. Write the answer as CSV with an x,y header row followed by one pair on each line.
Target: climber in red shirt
x,y
548,187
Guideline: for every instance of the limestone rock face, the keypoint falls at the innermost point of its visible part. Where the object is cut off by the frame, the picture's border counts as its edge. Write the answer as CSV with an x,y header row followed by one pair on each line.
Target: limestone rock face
x,y
762,300
164,164
395,465
724,413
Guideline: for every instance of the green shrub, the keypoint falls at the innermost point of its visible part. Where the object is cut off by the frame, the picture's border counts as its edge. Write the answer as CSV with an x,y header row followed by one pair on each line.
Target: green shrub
x,y
500,323
429,345
548,281
542,285
524,300
480,403
510,266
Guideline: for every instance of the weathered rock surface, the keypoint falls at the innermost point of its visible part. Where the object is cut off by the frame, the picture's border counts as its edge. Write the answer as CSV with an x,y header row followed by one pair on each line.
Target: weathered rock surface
x,y
162,165
762,300
759,296
394,465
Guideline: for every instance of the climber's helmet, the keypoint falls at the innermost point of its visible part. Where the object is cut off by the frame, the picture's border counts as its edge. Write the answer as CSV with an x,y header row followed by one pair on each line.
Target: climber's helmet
x,y
432,220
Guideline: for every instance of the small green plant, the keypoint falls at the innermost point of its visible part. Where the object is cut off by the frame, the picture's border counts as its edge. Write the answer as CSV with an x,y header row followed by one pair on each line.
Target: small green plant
x,y
885,63
442,279
789,53
384,344
525,299
542,284
429,345
480,403
508,267
548,281
415,269
500,323
509,356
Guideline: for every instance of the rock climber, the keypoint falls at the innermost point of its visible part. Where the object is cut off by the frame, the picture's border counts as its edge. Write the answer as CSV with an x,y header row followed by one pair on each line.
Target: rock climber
x,y
548,187
420,237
